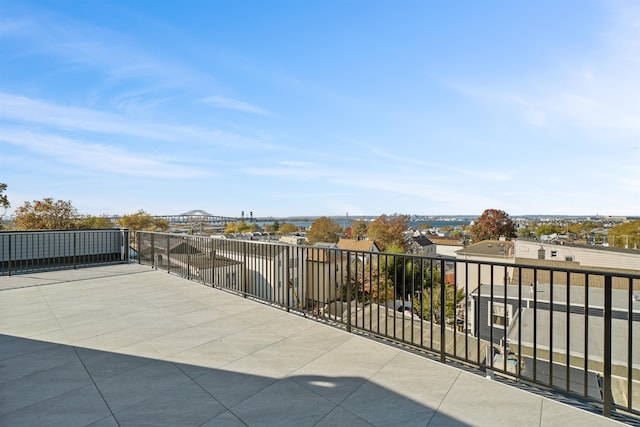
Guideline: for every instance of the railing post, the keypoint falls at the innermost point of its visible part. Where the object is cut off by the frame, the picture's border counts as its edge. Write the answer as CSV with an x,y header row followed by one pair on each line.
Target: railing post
x,y
348,276
443,321
287,278
606,399
168,254
245,277
125,244
9,254
74,249
213,263
154,262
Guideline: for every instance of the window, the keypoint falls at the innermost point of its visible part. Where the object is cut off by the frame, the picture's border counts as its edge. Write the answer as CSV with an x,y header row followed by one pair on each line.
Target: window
x,y
500,314
568,258
554,254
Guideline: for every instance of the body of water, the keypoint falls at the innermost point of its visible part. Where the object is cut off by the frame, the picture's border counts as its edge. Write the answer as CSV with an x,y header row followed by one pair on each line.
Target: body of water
x,y
346,223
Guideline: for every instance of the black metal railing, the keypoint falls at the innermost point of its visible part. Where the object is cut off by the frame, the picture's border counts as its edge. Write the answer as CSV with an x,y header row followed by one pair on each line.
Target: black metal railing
x,y
567,329
28,251
571,330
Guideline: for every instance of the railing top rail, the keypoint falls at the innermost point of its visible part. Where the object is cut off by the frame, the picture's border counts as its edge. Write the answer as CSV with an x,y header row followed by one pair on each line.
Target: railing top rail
x,y
44,231
577,270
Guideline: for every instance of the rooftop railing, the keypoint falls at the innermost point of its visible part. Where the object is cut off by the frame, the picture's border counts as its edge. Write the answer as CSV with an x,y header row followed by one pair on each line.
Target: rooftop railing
x,y
574,331
30,251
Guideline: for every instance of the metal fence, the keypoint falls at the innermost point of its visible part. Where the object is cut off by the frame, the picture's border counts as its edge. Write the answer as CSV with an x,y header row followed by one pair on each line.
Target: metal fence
x,y
571,330
28,251
575,331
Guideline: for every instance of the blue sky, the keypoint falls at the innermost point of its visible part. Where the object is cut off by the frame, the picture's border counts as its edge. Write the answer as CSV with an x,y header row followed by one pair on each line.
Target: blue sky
x,y
322,107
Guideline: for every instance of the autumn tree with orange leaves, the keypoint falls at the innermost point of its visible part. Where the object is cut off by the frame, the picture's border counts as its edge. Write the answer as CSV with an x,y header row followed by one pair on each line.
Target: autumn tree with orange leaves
x,y
388,231
492,224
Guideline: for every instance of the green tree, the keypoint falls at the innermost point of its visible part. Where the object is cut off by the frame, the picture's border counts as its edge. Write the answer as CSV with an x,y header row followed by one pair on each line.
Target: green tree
x,y
388,231
492,224
142,221
423,303
546,229
231,228
4,201
524,232
324,229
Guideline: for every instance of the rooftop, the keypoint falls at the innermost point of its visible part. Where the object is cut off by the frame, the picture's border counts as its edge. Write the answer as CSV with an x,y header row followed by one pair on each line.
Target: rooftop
x,y
130,345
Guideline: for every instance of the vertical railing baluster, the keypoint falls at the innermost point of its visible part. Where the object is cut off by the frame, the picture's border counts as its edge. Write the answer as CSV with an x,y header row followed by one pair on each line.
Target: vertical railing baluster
x,y
535,324
607,401
630,346
586,337
551,327
348,291
568,333
9,253
443,321
520,311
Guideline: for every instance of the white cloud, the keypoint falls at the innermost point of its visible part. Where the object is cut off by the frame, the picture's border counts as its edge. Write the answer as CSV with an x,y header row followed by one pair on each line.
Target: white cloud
x,y
483,174
100,158
23,109
234,104
591,89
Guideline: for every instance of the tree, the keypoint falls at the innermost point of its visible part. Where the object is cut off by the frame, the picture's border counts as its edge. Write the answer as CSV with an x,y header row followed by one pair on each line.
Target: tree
x,y
368,282
625,235
432,312
272,228
492,224
94,222
141,220
46,214
323,229
242,227
546,229
358,229
524,232
287,228
388,230
582,229
4,201
231,228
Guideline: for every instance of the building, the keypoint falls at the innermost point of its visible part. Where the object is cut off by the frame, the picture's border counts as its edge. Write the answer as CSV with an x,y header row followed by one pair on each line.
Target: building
x,y
421,245
551,321
583,256
358,245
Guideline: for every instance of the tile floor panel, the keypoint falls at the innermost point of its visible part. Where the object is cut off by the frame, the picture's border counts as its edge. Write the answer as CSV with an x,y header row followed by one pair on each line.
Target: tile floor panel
x,y
129,345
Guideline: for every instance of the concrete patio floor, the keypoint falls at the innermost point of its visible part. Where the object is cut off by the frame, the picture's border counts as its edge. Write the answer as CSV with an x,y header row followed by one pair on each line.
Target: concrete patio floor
x,y
129,345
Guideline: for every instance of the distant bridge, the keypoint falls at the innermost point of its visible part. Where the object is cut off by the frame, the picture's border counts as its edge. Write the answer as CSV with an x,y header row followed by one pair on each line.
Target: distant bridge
x,y
197,216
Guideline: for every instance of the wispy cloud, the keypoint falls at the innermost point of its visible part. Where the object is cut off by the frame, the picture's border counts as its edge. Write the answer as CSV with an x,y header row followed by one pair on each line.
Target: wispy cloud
x,y
483,174
590,89
74,119
234,104
98,158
